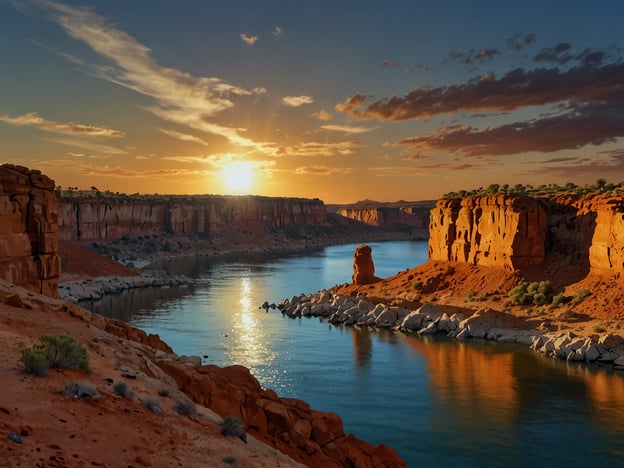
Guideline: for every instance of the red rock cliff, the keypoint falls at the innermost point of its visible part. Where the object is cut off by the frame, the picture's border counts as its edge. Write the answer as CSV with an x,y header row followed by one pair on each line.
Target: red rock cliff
x,y
105,218
501,231
28,230
415,216
515,232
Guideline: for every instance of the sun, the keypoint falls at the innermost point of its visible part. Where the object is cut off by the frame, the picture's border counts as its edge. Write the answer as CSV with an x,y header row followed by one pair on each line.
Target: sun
x,y
238,177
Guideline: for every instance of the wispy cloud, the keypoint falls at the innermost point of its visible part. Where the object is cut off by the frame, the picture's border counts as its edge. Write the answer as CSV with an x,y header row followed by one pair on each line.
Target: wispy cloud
x,y
347,128
519,41
389,63
180,97
296,101
319,149
89,145
322,170
68,128
277,31
183,136
249,40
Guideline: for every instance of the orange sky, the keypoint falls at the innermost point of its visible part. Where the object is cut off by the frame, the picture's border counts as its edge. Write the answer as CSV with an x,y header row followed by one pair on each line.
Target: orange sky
x,y
336,100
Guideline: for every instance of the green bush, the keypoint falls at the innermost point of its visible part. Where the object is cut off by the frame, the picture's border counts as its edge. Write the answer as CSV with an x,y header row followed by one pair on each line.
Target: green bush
x,y
536,293
185,408
59,351
580,296
566,315
418,285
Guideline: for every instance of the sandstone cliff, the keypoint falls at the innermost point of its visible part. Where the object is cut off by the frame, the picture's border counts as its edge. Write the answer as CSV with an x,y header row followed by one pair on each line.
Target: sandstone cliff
x,y
516,232
502,231
413,216
28,230
108,218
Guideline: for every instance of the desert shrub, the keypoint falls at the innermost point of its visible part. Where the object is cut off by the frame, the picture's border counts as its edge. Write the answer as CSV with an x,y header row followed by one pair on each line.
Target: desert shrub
x,y
470,297
163,392
580,296
80,390
35,362
229,460
152,404
233,426
566,315
185,408
536,293
559,299
418,285
121,388
599,329
60,351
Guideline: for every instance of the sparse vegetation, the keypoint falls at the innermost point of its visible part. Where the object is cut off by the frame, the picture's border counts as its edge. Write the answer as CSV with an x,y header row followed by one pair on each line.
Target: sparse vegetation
x,y
570,188
599,329
580,296
80,390
566,315
152,404
418,285
121,388
57,351
233,426
185,408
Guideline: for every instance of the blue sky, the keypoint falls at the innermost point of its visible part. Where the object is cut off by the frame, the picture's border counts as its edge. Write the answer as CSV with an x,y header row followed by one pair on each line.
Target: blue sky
x,y
337,100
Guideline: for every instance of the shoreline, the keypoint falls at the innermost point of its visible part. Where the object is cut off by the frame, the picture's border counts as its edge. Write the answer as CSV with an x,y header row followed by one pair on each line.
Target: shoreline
x,y
430,319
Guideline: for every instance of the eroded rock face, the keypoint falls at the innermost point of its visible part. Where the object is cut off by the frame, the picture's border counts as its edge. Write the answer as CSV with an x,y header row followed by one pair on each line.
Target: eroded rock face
x,y
413,216
312,437
363,266
28,230
500,231
104,218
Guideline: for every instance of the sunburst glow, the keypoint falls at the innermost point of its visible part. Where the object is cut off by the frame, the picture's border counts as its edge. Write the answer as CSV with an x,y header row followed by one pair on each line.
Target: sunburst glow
x,y
238,177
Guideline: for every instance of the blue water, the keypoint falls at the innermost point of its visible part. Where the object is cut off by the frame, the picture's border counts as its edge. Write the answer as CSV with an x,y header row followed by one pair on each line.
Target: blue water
x,y
437,402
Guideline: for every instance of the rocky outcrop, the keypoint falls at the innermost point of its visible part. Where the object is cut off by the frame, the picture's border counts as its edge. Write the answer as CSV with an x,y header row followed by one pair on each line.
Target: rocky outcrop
x,y
383,216
28,230
312,437
109,218
363,266
501,231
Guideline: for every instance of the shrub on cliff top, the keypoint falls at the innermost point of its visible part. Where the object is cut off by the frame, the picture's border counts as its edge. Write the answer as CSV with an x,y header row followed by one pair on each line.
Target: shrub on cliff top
x,y
60,351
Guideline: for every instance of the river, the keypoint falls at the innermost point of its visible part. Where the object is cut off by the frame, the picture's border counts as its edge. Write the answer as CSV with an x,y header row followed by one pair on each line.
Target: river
x,y
435,401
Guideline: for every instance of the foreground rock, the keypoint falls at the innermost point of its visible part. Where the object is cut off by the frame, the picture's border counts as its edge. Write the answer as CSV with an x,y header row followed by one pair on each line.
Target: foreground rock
x,y
60,431
429,319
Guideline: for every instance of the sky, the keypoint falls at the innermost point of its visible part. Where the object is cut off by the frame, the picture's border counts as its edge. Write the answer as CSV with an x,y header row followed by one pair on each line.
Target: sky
x,y
337,100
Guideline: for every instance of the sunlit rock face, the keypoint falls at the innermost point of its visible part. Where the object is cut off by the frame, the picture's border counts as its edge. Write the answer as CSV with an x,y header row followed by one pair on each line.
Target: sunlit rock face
x,y
28,230
104,218
363,266
413,216
501,231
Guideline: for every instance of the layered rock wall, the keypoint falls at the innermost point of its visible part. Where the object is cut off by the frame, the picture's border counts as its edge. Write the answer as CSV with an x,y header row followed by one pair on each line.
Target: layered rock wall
x,y
413,216
500,231
515,232
28,230
103,219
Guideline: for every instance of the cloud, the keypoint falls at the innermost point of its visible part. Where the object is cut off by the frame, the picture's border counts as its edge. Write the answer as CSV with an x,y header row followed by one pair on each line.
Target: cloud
x,y
183,136
472,56
342,148
322,115
610,162
323,170
518,41
559,54
347,128
582,125
180,97
67,128
249,40
88,145
277,31
516,89
389,63
296,101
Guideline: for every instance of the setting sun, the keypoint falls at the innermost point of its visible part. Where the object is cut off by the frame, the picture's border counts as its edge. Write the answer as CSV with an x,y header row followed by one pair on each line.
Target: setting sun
x,y
238,177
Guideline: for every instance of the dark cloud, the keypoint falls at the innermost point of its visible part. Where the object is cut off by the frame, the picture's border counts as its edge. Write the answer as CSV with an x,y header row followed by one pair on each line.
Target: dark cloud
x,y
558,54
473,56
516,89
582,125
518,41
588,168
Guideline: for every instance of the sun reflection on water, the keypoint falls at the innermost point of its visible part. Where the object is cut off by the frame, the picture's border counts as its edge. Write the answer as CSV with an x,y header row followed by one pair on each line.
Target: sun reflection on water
x,y
249,343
